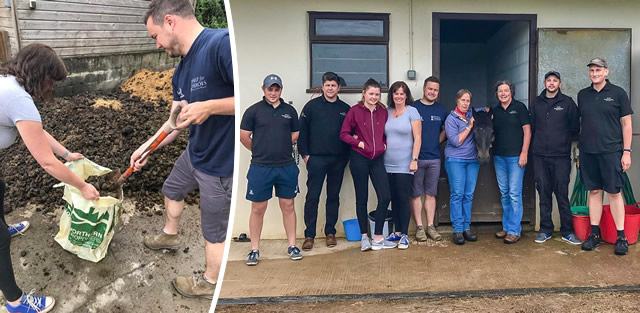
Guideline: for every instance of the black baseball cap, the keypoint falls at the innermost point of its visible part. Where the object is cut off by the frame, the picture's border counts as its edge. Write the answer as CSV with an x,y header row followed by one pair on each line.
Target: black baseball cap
x,y
554,73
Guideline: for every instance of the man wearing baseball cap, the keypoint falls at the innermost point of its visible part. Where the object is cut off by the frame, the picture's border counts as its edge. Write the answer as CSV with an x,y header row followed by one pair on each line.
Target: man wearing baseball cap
x,y
555,123
605,149
268,129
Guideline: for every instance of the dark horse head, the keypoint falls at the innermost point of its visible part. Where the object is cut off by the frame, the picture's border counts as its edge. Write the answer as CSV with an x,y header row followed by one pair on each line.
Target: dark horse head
x,y
482,134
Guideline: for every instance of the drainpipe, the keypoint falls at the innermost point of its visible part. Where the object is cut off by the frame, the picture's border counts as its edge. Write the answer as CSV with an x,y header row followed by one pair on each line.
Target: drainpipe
x,y
411,34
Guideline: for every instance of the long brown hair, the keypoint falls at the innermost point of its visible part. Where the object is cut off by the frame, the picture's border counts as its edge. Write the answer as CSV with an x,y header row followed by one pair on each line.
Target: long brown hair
x,y
36,67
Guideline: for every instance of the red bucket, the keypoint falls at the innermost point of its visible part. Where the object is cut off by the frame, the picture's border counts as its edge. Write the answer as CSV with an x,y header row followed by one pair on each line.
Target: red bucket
x,y
581,226
631,224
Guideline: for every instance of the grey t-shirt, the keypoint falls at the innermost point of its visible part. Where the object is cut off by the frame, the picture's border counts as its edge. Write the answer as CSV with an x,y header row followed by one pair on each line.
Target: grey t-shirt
x,y
397,158
15,105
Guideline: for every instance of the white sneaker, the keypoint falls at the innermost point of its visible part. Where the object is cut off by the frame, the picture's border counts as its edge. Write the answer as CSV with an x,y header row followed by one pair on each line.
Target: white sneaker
x,y
383,244
365,244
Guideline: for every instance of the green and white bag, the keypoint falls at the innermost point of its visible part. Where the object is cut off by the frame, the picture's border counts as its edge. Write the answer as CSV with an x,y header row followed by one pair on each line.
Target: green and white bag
x,y
87,226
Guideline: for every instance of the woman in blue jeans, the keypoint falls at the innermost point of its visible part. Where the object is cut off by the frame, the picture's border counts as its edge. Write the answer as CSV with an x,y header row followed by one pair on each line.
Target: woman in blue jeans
x,y
512,131
461,164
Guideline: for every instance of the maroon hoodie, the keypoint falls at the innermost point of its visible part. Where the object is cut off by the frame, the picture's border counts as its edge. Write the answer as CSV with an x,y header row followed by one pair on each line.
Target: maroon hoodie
x,y
368,126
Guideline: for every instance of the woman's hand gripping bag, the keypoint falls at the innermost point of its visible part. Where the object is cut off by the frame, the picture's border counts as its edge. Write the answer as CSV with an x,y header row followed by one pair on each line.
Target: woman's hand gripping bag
x,y
87,226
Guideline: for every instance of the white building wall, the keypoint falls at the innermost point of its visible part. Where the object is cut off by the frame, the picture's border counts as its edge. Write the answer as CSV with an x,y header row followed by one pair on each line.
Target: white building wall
x,y
272,36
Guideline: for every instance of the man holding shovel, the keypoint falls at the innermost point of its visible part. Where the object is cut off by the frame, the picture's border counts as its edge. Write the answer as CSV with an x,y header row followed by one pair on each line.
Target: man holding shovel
x,y
203,88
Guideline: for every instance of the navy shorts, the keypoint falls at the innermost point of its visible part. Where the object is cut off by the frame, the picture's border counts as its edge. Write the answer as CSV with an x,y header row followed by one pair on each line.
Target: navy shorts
x,y
602,171
263,179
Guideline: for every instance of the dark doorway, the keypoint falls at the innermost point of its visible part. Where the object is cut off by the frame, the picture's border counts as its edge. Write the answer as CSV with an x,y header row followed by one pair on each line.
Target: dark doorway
x,y
473,51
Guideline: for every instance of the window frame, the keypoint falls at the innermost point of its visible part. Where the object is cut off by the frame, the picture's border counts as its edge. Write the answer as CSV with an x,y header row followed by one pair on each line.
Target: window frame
x,y
370,40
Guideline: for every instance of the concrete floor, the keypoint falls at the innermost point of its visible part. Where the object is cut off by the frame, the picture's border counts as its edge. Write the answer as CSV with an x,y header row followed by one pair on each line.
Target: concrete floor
x,y
425,268
131,278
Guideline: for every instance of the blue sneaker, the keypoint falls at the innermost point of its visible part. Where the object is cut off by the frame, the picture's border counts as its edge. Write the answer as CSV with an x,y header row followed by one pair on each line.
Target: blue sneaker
x,y
403,243
18,228
393,237
32,304
542,237
294,253
572,239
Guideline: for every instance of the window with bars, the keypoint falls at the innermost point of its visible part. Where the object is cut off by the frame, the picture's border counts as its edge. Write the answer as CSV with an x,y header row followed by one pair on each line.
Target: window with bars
x,y
353,45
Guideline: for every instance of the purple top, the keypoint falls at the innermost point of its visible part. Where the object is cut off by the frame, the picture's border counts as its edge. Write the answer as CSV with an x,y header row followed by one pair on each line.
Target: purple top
x,y
453,126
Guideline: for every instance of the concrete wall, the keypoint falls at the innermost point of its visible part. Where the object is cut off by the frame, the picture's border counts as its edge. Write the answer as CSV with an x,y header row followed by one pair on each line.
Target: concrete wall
x,y
283,48
509,59
88,73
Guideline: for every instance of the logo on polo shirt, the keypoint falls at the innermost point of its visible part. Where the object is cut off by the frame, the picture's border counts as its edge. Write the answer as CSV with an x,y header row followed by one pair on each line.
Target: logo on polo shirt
x,y
180,93
512,112
608,99
436,118
558,108
198,83
343,113
302,114
287,116
251,192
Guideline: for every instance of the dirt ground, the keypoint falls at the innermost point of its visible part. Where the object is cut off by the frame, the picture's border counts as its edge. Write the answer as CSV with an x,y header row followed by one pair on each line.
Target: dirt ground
x,y
536,303
106,127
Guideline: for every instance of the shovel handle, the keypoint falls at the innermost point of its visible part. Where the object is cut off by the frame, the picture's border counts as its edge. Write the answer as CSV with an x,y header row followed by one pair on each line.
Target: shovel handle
x,y
144,155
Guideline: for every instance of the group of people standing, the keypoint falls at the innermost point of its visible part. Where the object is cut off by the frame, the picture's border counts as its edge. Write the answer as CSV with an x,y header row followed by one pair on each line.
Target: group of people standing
x,y
397,147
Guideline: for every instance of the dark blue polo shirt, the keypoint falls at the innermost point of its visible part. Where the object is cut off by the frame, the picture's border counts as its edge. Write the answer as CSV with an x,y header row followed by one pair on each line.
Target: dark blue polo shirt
x,y
433,117
206,73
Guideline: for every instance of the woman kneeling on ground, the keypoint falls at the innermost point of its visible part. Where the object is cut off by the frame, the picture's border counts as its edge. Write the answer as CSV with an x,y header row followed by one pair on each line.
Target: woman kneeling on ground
x,y
29,75
363,130
461,164
404,137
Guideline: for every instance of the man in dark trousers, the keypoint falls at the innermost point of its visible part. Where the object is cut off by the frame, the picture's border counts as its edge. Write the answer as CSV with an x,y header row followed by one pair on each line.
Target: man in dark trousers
x,y
325,156
556,123
605,149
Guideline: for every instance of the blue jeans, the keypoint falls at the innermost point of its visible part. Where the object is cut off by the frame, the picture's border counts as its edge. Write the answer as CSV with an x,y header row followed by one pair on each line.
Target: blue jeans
x,y
463,175
510,176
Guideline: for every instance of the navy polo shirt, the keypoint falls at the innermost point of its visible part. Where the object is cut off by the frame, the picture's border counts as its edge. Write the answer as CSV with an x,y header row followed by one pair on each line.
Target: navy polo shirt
x,y
601,112
206,73
507,128
272,127
433,117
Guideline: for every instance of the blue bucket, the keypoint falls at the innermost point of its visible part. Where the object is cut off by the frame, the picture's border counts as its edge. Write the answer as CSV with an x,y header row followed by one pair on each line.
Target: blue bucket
x,y
352,229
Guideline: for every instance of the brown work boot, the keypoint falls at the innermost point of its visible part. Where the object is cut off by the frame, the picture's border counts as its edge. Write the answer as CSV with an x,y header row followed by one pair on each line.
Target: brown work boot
x,y
331,240
307,244
194,286
501,234
162,241
511,239
420,235
431,231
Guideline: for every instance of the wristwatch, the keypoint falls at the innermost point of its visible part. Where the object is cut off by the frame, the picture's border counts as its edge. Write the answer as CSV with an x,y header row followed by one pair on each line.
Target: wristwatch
x,y
629,150
414,159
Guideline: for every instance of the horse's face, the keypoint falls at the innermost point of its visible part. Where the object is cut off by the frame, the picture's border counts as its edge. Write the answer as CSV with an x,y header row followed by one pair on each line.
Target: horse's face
x,y
483,135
